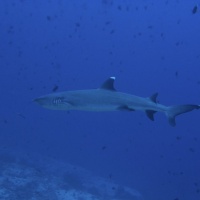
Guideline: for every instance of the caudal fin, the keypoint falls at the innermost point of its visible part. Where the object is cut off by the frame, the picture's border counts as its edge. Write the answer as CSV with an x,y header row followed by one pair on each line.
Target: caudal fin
x,y
173,111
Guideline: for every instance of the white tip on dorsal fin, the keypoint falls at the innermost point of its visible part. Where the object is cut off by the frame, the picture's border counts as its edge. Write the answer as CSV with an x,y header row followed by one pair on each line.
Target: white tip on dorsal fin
x,y
109,84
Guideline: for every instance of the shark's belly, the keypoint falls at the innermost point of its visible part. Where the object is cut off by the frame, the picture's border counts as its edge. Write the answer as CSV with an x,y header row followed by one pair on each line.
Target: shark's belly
x,y
96,107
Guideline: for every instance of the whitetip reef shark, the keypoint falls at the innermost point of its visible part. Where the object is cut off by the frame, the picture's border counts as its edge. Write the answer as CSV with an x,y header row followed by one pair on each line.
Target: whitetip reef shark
x,y
106,98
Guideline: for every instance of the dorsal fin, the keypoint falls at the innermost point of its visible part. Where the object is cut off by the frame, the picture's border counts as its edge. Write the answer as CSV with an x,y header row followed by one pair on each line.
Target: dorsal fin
x,y
154,97
108,84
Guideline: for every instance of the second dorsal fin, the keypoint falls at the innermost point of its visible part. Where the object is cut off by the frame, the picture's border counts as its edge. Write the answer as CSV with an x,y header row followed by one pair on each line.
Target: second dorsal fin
x,y
153,97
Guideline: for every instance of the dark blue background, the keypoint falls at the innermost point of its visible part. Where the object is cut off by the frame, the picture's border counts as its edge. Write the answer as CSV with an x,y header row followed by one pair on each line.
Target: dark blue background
x,y
150,46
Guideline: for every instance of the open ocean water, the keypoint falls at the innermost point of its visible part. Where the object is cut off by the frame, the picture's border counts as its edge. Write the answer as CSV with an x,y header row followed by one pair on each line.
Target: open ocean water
x,y
48,46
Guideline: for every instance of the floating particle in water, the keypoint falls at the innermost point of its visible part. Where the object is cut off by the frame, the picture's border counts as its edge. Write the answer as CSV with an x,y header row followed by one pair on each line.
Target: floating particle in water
x,y
112,31
55,88
161,156
162,35
178,138
107,22
77,24
107,2
194,10
191,149
196,184
49,18
10,29
195,139
104,147
21,115
119,7
177,43
110,176
150,27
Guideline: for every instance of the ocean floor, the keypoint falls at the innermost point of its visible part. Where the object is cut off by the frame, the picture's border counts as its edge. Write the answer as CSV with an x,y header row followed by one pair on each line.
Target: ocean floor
x,y
22,179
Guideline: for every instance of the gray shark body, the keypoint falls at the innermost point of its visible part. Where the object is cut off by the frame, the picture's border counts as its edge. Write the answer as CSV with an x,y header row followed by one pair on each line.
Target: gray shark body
x,y
106,98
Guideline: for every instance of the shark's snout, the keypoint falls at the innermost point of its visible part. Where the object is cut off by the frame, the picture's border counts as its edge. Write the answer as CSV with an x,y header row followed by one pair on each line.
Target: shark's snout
x,y
52,102
40,100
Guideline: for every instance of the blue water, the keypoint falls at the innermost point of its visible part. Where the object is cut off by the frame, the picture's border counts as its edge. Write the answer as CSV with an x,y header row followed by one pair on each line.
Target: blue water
x,y
149,46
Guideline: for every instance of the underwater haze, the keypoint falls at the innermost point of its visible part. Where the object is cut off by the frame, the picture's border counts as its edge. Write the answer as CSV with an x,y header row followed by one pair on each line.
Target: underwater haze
x,y
51,46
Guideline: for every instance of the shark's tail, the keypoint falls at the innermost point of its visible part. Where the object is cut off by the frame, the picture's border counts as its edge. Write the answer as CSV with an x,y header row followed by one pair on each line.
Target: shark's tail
x,y
173,111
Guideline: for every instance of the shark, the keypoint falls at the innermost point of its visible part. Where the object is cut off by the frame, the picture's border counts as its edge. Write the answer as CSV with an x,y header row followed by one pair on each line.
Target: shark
x,y
107,98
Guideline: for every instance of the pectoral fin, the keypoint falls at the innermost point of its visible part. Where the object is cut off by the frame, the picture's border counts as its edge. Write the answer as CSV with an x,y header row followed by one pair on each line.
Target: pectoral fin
x,y
150,114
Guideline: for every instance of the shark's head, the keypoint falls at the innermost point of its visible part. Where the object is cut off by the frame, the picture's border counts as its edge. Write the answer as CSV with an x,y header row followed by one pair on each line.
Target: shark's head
x,y
54,102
